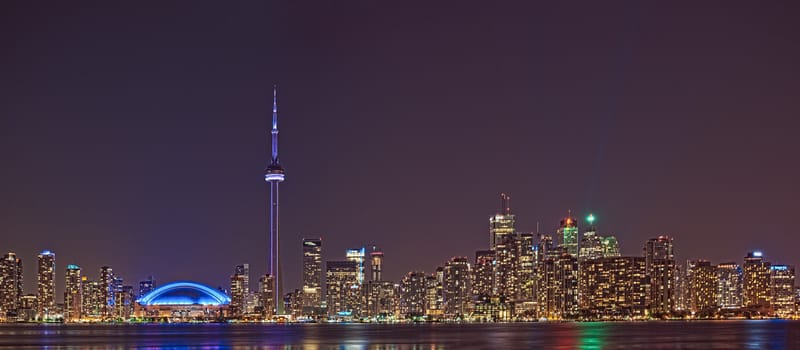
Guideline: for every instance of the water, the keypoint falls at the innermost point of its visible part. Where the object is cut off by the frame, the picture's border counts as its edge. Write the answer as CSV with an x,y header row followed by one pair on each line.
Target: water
x,y
618,335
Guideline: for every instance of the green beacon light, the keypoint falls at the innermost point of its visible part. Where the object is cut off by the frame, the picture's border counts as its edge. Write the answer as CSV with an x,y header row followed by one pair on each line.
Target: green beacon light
x,y
590,218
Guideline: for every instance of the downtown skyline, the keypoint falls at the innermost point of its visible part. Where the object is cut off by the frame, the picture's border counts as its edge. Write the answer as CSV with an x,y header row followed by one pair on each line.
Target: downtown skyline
x,y
112,161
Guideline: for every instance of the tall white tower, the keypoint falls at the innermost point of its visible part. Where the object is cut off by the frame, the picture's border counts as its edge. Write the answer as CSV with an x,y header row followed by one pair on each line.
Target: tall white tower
x,y
274,176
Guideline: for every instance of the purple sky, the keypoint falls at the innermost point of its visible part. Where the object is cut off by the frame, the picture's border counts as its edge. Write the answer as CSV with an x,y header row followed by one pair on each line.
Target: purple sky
x,y
135,135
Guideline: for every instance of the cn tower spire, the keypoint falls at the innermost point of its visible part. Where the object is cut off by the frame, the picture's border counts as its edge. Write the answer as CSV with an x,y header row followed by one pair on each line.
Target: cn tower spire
x,y
274,124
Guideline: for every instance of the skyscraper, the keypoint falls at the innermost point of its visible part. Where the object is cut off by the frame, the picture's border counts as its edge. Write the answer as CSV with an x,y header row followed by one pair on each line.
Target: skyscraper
x,y
660,267
244,271
343,289
10,285
376,264
456,287
502,223
568,231
729,287
613,287
146,286
312,274
267,294
782,289
756,282
702,286
107,287
46,284
238,295
356,255
412,295
274,175
73,295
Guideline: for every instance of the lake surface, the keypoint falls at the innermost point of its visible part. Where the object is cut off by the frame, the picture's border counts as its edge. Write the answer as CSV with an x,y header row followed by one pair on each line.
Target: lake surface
x,y
616,335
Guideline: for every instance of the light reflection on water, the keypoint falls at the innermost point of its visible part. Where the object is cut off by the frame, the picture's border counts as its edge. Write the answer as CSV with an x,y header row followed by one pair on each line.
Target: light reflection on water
x,y
585,336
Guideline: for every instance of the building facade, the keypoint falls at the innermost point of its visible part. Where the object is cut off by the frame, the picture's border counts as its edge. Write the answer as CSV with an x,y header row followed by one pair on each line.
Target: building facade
x,y
46,285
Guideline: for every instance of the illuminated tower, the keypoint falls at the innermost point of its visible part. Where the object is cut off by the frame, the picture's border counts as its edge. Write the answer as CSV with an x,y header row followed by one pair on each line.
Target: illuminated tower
x,y
73,295
10,284
376,263
357,255
46,284
312,274
568,230
274,176
501,225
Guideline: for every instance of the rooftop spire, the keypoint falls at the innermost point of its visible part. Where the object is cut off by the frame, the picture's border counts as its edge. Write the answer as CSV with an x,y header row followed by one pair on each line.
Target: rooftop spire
x,y
274,123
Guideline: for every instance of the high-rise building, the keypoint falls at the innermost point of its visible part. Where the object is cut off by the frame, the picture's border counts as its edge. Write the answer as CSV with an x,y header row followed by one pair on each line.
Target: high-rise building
x,y
357,255
457,287
123,301
434,298
483,275
274,175
28,306
343,288
376,264
10,286
502,224
238,295
265,290
595,246
146,286
756,282
382,299
93,299
107,284
73,295
660,266
525,259
729,287
244,271
412,295
312,275
558,287
613,287
703,284
46,285
782,289
568,231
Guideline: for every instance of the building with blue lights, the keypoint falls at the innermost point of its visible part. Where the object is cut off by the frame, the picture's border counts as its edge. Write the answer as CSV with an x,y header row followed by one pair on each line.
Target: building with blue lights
x,y
183,300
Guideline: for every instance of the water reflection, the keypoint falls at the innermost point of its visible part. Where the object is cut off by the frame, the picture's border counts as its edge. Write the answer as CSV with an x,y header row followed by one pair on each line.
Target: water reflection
x,y
592,335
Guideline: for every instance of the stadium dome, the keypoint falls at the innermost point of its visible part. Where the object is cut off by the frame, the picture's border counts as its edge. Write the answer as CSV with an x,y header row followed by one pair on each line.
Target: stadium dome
x,y
184,293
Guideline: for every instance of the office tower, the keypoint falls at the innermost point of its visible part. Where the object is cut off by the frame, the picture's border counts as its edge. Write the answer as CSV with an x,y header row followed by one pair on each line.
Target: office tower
x,y
274,175
483,276
434,300
312,275
357,255
46,285
660,266
505,272
238,294
244,270
756,282
545,247
456,287
376,264
343,288
702,286
93,299
613,287
293,303
382,300
265,290
73,295
107,286
501,224
558,287
146,286
729,287
525,260
412,295
252,303
10,285
123,301
782,289
594,246
568,231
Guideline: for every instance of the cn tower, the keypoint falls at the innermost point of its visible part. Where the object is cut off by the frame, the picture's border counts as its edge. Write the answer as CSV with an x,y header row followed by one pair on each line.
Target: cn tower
x,y
274,176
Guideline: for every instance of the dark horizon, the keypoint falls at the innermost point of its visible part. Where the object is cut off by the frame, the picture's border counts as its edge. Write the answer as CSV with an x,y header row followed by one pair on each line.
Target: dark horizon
x,y
136,136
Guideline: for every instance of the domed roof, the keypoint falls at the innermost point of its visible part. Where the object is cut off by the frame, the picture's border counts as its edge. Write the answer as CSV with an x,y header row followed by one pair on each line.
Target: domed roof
x,y
184,293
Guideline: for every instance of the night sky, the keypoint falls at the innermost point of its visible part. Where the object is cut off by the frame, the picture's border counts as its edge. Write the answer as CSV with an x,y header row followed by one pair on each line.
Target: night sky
x,y
136,134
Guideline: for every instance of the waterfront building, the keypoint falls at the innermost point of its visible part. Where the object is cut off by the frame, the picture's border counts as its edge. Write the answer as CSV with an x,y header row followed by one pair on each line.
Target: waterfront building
x,y
703,284
782,290
179,301
483,277
10,286
343,288
412,295
274,174
28,308
124,299
357,255
382,299
46,285
729,287
146,286
558,287
457,287
660,266
238,295
267,294
434,300
293,303
312,275
93,299
376,263
568,231
525,265
244,271
73,294
756,282
613,287
107,283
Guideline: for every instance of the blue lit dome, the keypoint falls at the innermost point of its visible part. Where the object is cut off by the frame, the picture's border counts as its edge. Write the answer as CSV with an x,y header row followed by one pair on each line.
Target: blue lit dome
x,y
184,293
